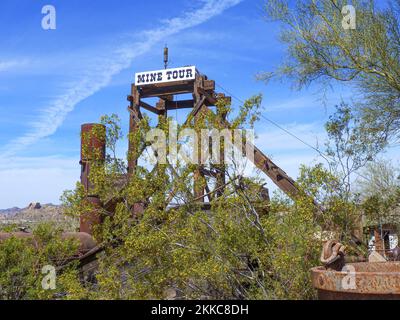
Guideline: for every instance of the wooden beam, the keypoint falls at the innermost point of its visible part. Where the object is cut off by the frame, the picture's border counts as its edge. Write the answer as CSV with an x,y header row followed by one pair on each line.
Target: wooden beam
x,y
170,84
213,99
166,89
195,110
209,173
220,168
208,192
134,115
209,85
150,108
182,104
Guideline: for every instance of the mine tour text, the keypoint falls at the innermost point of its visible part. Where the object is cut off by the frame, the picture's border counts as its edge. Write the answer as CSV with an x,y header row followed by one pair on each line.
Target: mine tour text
x,y
167,75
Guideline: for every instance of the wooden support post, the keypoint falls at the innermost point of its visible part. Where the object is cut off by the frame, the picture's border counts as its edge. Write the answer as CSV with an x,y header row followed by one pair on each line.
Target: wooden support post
x,y
220,168
379,242
134,117
198,187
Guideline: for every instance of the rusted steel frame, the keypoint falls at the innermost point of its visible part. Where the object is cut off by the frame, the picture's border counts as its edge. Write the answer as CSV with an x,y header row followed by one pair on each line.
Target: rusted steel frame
x,y
111,204
90,256
262,162
92,151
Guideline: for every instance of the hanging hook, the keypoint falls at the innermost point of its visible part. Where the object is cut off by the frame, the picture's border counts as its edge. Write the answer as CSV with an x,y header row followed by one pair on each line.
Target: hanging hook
x,y
165,56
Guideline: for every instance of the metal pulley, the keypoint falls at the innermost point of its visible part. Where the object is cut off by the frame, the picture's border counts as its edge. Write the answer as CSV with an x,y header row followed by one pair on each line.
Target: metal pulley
x,y
332,256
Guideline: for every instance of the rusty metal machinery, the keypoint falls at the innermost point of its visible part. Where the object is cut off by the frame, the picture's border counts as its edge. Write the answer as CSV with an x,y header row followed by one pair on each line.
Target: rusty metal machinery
x,y
93,150
92,153
86,242
337,280
204,97
372,280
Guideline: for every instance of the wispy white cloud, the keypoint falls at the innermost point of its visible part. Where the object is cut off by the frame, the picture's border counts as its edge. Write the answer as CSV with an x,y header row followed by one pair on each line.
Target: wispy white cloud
x,y
12,64
5,65
99,74
296,103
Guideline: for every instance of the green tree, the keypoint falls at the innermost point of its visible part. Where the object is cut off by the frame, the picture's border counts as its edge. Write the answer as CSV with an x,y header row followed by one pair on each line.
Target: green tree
x,y
367,57
22,261
348,147
380,177
379,189
240,248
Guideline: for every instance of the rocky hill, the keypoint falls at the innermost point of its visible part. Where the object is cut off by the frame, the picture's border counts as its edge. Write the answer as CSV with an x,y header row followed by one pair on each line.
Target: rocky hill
x,y
9,212
35,213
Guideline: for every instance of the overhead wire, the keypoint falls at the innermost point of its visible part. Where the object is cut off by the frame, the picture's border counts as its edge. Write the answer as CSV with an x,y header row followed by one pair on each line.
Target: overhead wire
x,y
321,153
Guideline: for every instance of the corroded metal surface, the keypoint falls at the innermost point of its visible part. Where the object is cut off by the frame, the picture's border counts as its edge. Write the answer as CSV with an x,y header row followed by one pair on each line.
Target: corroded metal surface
x,y
86,242
20,235
332,256
93,145
93,142
92,217
370,281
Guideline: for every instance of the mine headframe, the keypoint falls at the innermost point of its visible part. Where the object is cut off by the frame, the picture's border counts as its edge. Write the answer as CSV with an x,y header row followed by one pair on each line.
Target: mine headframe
x,y
164,85
168,83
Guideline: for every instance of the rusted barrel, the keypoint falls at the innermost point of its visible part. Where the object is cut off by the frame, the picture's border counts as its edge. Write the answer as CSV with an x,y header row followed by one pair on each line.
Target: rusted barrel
x,y
358,281
85,240
93,145
93,142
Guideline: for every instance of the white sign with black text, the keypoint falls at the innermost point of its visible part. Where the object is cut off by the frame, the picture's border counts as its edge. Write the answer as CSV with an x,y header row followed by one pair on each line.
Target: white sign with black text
x,y
166,75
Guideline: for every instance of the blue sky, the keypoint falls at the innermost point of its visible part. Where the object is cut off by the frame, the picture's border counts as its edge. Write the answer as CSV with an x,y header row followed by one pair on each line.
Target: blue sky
x,y
52,81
